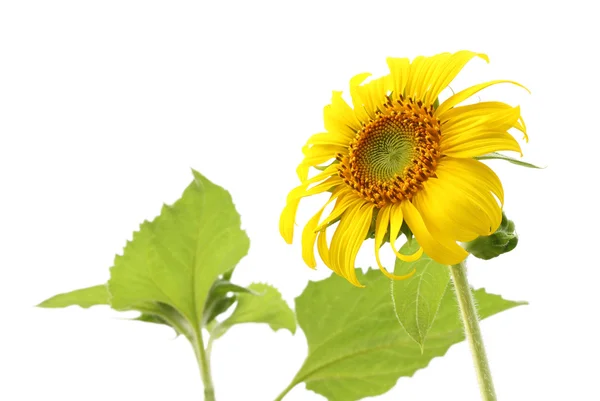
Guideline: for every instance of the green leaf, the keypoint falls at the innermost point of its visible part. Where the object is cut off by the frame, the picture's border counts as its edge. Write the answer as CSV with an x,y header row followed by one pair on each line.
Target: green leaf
x,y
85,297
160,313
218,300
221,287
357,349
144,317
499,156
175,259
417,299
217,307
263,305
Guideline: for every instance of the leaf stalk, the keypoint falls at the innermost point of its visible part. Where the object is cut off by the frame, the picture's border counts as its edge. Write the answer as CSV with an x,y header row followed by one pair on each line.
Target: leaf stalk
x,y
287,390
203,358
472,331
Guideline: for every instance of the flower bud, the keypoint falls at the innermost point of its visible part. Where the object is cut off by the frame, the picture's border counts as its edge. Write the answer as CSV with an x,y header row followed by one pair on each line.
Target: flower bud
x,y
504,240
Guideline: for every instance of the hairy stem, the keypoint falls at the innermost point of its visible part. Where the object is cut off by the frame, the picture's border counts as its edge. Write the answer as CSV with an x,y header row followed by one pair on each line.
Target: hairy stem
x,y
203,358
472,331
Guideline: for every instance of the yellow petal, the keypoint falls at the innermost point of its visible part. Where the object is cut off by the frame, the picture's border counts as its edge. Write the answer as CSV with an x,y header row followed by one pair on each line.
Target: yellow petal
x,y
424,71
323,248
359,109
415,69
328,138
338,241
339,118
359,233
467,93
302,171
308,240
396,219
399,73
448,68
483,177
288,215
373,95
450,216
482,120
478,131
347,239
317,151
381,227
344,202
330,171
448,253
479,143
480,110
459,205
309,235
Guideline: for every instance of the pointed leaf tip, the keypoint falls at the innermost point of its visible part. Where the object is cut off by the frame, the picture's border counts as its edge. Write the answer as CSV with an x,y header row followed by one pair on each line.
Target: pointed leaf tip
x,y
176,258
84,297
263,305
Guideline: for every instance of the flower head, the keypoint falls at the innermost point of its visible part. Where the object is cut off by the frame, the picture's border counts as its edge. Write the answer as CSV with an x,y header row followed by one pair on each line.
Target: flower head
x,y
398,156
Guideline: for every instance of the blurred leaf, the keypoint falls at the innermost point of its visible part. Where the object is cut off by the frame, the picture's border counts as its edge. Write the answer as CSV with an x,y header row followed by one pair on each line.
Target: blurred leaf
x,y
263,305
85,297
418,298
357,349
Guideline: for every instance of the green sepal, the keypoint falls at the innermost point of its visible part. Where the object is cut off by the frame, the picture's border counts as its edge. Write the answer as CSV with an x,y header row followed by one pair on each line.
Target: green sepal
x,y
504,240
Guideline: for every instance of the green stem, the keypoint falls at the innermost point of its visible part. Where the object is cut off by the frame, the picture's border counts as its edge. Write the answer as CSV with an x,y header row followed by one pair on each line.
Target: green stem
x,y
203,358
287,390
472,331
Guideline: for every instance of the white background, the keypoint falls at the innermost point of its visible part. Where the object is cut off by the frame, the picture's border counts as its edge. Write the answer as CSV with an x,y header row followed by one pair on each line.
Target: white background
x,y
106,105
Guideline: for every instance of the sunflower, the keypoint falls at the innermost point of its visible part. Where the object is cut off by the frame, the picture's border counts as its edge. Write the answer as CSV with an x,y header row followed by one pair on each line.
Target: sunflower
x,y
398,156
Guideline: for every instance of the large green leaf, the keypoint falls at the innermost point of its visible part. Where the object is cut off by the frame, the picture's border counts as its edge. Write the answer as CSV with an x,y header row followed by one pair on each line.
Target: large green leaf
x,y
175,259
357,349
417,299
263,304
85,297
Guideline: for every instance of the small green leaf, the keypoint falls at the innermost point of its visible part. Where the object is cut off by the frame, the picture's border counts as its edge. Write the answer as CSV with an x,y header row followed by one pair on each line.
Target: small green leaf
x,y
218,300
499,156
357,349
175,259
263,305
418,298
217,307
85,297
145,317
222,287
